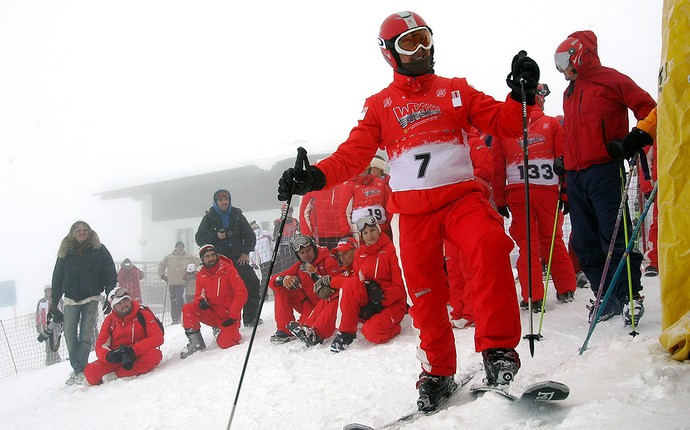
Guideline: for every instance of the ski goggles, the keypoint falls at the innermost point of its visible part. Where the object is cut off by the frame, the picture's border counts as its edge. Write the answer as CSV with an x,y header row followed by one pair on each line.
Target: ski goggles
x,y
366,221
410,41
562,59
117,295
300,242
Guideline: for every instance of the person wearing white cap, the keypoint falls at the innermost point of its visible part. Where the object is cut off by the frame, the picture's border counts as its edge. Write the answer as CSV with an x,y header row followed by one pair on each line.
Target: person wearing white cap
x,y
129,340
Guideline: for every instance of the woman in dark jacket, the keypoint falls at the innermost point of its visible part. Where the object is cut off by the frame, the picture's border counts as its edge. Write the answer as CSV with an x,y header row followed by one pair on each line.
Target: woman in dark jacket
x,y
83,270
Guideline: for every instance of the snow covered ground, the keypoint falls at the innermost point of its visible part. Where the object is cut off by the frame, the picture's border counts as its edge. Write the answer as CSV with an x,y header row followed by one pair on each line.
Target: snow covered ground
x,y
619,382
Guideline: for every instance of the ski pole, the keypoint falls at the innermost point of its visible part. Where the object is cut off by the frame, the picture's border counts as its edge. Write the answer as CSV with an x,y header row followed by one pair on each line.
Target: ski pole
x,y
531,337
626,215
301,163
612,243
619,269
548,266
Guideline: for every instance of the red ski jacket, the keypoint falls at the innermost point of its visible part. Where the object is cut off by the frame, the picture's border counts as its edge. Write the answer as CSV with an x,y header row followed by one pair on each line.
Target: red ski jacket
x,y
423,122
362,196
378,262
223,289
544,144
117,331
595,107
324,263
319,214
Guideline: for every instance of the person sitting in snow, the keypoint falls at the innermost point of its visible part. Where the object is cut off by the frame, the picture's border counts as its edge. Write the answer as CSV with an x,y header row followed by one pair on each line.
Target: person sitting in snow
x,y
376,294
294,287
320,323
218,301
129,340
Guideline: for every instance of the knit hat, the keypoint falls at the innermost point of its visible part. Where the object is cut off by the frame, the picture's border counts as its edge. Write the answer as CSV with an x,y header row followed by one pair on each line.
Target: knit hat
x,y
179,243
206,248
221,193
379,163
345,244
126,262
117,295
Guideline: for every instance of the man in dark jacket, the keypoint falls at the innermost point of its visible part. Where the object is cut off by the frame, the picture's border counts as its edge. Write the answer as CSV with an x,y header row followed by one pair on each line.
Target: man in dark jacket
x,y
83,270
229,232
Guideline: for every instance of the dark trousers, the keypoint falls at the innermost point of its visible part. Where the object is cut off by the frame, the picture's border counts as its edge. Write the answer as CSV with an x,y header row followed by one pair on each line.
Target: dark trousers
x,y
176,302
251,308
595,195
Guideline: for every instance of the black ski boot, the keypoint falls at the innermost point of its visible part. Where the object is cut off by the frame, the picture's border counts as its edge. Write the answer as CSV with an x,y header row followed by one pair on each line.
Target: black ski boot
x,y
196,343
500,365
304,333
341,342
433,389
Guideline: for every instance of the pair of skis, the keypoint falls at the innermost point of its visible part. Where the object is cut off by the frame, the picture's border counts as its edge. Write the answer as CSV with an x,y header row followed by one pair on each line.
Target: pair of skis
x,y
543,391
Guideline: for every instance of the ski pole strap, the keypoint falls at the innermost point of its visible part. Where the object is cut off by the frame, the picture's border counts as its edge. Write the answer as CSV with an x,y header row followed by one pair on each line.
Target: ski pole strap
x,y
644,165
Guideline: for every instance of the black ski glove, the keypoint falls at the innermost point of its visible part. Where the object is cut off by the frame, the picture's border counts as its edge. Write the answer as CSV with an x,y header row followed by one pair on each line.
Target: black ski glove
x,y
559,166
369,310
566,207
203,304
629,145
54,314
504,211
523,67
300,182
228,322
114,356
373,290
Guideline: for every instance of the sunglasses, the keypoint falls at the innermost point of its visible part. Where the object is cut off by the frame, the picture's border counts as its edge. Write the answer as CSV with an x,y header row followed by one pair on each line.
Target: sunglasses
x,y
412,40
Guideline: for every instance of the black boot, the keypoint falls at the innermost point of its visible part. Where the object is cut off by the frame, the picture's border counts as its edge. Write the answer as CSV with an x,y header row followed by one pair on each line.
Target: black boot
x,y
432,389
500,365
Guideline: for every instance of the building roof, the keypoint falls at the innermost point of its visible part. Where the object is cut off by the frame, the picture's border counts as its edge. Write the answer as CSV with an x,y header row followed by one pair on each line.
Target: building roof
x,y
251,189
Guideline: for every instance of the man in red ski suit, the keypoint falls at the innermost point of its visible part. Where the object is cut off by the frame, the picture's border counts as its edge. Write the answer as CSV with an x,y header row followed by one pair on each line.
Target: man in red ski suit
x,y
595,106
545,144
422,122
320,324
294,287
365,194
218,301
319,217
129,340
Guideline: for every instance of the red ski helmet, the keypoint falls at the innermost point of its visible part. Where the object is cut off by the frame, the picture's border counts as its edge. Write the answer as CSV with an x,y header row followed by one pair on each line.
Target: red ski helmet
x,y
390,34
568,52
542,92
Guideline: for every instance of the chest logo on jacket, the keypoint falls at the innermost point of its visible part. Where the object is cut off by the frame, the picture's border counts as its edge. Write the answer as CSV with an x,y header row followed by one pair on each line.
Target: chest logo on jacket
x,y
411,113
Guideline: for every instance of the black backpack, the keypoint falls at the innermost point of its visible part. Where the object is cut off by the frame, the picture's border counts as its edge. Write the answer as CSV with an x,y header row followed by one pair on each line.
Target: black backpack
x,y
142,320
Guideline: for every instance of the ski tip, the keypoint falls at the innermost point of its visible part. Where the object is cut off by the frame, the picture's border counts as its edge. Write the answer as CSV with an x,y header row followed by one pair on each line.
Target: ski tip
x,y
356,426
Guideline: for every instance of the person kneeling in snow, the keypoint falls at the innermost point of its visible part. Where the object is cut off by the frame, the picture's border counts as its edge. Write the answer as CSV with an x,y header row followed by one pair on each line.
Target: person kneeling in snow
x,y
129,340
218,301
375,296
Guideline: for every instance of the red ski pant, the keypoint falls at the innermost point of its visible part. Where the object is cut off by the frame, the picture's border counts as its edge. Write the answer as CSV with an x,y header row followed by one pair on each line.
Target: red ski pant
x,y
286,302
474,226
460,276
193,316
542,206
322,318
380,328
143,363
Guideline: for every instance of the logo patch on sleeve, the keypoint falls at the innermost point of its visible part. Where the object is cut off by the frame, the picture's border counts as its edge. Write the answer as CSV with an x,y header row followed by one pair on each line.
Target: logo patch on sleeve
x,y
363,114
456,99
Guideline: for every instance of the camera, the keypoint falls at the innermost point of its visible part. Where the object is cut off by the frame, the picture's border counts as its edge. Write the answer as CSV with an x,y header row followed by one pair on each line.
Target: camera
x,y
127,360
47,332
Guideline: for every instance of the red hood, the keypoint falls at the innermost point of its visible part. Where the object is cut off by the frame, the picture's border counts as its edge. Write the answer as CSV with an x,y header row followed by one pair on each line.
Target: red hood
x,y
590,55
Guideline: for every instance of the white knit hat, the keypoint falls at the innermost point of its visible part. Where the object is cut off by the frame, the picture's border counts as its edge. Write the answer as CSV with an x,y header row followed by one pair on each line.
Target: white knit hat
x,y
379,163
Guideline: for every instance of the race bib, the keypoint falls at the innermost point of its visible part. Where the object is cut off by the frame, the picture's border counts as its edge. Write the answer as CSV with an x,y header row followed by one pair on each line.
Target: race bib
x,y
539,171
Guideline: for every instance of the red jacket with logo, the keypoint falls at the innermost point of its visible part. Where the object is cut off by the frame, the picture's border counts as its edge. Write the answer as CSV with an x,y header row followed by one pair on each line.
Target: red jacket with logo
x,y
595,107
544,144
117,331
324,263
223,289
362,196
423,123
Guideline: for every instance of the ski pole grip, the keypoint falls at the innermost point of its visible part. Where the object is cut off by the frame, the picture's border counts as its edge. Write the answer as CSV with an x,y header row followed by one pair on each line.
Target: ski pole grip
x,y
302,161
522,54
